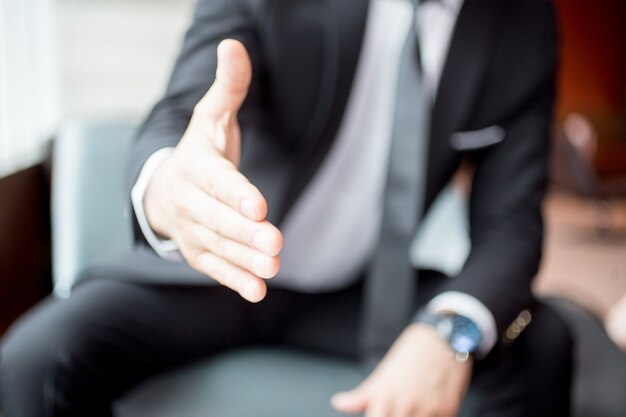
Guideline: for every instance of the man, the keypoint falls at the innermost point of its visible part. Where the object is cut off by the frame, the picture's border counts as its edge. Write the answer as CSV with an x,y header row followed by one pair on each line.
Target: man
x,y
348,132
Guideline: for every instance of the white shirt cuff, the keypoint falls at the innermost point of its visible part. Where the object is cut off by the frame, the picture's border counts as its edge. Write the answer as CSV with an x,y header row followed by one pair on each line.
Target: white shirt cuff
x,y
468,306
165,248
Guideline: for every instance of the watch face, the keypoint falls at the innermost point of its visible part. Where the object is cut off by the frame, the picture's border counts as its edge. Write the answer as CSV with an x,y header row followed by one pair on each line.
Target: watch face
x,y
465,335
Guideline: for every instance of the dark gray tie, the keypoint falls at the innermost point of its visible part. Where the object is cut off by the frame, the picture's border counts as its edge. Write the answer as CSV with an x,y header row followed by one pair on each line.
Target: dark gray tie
x,y
391,285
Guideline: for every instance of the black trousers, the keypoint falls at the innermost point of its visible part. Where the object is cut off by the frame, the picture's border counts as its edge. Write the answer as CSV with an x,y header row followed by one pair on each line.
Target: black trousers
x,y
74,357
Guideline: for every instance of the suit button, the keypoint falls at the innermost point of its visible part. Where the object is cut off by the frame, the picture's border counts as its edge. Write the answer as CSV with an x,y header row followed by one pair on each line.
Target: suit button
x,y
520,323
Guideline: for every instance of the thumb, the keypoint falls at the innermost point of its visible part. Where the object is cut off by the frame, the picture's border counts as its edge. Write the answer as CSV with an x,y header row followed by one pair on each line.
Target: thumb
x,y
350,402
232,80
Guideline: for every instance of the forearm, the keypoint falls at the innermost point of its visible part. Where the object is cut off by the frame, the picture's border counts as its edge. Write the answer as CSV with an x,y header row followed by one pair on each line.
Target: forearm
x,y
506,225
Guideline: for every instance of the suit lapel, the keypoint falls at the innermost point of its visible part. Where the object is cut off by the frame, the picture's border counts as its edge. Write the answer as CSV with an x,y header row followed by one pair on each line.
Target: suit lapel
x,y
343,32
460,83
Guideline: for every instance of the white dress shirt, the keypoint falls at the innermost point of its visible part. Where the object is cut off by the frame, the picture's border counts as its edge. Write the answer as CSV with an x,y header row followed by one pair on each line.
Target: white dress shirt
x,y
333,227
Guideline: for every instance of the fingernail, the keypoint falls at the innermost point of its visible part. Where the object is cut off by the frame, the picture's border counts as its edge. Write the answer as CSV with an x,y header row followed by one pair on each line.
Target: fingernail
x,y
261,240
259,264
248,208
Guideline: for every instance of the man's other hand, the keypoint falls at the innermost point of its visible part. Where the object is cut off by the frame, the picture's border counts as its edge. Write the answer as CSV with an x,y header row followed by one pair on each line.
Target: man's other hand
x,y
419,377
198,197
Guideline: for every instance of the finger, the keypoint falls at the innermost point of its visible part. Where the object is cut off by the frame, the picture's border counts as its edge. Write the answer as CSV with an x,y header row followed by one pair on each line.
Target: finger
x,y
426,411
350,402
232,80
220,179
379,408
236,253
247,285
213,214
408,409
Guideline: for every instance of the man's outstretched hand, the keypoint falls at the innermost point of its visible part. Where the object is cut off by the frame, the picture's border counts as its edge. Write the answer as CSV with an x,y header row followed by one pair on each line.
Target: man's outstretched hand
x,y
419,377
198,197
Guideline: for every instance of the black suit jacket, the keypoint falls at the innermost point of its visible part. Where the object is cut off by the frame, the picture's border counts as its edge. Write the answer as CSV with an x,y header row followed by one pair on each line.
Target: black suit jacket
x,y
499,71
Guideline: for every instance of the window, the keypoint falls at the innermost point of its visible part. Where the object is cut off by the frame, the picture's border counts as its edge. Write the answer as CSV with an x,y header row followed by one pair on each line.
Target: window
x,y
29,109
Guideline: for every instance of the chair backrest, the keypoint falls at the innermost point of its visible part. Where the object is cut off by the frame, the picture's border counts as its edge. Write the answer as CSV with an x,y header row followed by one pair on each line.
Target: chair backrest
x,y
90,212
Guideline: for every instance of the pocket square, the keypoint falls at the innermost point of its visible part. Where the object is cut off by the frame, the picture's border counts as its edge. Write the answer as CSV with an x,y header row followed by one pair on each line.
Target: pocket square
x,y
476,139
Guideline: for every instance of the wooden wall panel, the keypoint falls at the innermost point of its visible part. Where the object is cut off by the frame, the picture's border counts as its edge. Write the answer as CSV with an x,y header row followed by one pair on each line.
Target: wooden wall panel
x,y
592,79
25,266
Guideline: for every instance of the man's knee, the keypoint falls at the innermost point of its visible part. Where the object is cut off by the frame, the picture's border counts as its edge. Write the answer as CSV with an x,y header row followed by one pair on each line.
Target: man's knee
x,y
25,356
33,355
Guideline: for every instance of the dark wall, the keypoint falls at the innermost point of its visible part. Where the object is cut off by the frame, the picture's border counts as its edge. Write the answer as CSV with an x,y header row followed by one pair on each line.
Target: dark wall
x,y
25,265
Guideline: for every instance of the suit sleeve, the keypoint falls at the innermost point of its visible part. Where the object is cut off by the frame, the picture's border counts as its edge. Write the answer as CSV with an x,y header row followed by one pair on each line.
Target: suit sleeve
x,y
193,74
506,227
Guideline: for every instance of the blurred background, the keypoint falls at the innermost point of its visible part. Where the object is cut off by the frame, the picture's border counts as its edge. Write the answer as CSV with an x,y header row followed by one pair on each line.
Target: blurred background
x,y
108,60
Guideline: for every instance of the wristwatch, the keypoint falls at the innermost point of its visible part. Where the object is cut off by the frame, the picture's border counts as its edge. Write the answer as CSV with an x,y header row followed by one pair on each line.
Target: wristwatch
x,y
462,334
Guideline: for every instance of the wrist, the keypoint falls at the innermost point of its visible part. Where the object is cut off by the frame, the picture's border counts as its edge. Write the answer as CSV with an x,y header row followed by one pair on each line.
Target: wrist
x,y
153,204
462,335
425,334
